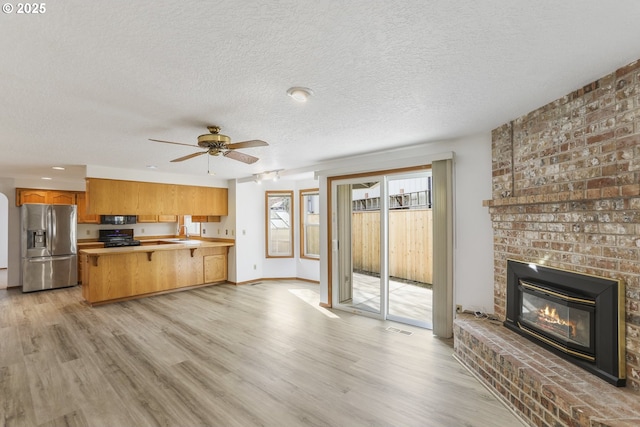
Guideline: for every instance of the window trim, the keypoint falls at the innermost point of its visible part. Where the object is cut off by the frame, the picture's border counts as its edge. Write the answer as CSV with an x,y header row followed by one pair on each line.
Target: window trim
x,y
280,193
302,211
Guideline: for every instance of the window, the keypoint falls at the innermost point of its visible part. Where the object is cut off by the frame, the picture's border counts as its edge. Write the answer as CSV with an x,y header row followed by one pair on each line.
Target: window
x,y
279,213
310,223
192,227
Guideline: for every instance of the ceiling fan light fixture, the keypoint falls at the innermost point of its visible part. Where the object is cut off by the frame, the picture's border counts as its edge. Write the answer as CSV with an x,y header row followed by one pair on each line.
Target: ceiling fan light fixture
x,y
299,94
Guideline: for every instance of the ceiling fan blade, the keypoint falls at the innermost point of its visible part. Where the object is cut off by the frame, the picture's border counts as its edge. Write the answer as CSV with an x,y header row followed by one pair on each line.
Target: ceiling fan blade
x,y
247,144
190,156
245,158
169,142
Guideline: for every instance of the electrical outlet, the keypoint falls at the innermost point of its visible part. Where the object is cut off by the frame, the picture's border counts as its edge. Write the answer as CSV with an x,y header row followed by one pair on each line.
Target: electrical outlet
x,y
244,232
218,231
142,231
88,232
458,308
204,231
255,267
226,232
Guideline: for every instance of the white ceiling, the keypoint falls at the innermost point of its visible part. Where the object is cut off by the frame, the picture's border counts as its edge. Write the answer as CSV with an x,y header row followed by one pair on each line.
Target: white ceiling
x,y
88,82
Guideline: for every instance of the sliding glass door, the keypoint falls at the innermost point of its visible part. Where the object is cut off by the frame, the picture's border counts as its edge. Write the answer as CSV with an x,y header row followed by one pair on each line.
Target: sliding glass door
x,y
409,290
382,228
358,232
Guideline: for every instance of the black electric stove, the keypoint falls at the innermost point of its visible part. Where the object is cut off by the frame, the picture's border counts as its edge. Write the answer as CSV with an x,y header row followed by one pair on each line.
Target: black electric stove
x,y
117,238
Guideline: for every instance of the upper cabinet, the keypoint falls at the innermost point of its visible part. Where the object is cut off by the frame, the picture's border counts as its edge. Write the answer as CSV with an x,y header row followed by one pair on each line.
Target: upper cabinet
x,y
157,218
83,216
115,197
55,197
58,197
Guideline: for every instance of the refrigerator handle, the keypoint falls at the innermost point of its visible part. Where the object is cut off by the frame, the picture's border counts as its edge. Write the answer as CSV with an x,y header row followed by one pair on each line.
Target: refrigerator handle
x,y
40,260
51,227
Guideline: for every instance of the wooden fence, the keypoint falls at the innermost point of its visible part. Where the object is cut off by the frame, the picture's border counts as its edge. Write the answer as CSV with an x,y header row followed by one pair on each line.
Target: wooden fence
x,y
410,243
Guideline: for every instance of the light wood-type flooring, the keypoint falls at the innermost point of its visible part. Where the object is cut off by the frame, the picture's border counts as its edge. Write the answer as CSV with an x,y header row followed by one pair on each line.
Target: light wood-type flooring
x,y
251,355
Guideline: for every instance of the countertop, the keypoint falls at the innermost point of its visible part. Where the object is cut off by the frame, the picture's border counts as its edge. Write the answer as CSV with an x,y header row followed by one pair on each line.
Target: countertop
x,y
161,245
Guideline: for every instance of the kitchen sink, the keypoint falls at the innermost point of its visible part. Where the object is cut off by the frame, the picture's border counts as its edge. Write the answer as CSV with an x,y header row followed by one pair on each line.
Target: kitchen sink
x,y
178,241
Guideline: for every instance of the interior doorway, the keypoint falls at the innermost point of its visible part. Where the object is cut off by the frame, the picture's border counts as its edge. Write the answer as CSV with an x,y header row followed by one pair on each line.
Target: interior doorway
x,y
383,246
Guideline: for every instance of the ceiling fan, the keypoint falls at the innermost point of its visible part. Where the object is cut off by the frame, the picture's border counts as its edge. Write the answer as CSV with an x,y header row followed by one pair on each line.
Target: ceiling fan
x,y
215,144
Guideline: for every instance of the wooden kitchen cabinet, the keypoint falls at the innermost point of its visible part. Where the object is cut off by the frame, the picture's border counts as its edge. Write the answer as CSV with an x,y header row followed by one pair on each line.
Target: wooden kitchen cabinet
x,y
58,197
83,216
154,198
33,195
157,218
115,197
27,195
215,268
205,218
82,259
62,197
124,273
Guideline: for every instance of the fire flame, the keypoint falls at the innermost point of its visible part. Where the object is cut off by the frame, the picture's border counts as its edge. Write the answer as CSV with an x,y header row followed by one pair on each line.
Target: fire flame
x,y
550,316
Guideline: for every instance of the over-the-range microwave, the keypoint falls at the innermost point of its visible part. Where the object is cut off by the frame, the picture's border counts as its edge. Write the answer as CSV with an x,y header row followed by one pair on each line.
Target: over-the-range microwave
x,y
117,219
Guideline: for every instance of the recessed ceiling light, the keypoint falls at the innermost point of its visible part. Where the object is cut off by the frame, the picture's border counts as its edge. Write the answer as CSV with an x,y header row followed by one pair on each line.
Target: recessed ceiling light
x,y
47,178
58,168
299,94
152,167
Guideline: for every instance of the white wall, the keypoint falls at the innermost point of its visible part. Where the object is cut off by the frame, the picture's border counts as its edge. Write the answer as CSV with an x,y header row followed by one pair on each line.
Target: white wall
x,y
308,269
250,238
4,231
8,188
473,233
473,252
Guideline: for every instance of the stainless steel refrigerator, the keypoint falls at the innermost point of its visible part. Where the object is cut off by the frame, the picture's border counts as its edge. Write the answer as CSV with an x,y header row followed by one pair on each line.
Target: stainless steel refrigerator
x,y
48,246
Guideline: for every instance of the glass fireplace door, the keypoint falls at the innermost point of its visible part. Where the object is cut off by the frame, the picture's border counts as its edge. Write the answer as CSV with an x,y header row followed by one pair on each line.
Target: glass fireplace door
x,y
562,320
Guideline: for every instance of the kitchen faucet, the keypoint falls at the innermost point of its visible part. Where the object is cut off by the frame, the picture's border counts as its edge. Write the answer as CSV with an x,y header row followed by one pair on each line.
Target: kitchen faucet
x,y
186,230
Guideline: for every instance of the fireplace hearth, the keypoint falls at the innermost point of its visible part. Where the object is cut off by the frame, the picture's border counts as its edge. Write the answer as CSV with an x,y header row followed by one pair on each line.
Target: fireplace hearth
x,y
577,316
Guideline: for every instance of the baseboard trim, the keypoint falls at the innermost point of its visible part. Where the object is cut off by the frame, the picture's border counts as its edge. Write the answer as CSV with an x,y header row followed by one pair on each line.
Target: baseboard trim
x,y
274,279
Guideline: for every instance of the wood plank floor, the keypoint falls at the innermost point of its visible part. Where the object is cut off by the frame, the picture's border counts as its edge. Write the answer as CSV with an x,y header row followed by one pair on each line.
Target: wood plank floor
x,y
252,355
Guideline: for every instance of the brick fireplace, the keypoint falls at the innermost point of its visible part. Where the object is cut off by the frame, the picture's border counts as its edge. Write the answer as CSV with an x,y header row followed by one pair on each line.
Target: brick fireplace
x,y
566,194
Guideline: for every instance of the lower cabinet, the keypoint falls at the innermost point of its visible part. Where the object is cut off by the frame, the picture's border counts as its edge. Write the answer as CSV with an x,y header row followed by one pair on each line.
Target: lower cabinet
x,y
215,268
82,259
112,275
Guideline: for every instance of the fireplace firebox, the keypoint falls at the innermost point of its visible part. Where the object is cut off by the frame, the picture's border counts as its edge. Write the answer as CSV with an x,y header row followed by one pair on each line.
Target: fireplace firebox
x,y
580,317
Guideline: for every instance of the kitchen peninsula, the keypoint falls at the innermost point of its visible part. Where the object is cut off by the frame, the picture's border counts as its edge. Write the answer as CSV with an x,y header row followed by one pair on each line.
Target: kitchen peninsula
x,y
115,274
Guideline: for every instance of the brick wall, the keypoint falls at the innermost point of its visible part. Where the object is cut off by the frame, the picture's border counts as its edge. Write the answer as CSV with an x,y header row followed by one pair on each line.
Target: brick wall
x,y
566,191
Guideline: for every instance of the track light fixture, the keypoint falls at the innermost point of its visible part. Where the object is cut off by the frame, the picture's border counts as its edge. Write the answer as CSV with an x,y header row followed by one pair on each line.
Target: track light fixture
x,y
274,175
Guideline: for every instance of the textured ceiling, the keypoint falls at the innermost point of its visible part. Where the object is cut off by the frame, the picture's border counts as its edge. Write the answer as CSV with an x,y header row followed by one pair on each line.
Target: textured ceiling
x,y
88,82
